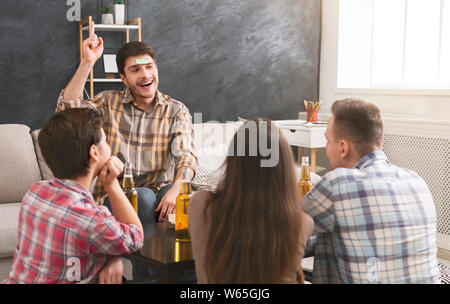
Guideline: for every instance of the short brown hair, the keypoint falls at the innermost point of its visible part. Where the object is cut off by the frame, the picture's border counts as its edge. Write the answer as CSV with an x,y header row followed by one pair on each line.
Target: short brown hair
x,y
134,48
358,121
66,139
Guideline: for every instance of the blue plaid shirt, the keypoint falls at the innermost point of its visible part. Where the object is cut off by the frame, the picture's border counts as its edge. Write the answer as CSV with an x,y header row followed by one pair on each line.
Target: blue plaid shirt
x,y
376,223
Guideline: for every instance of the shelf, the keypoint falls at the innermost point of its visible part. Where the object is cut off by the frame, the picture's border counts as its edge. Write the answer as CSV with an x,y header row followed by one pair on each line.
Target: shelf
x,y
105,80
83,25
112,27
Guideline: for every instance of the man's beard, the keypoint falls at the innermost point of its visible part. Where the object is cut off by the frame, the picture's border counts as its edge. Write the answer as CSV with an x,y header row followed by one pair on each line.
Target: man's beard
x,y
136,92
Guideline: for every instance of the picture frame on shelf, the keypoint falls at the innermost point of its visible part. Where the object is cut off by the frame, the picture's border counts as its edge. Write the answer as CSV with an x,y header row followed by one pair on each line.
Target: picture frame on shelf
x,y
109,64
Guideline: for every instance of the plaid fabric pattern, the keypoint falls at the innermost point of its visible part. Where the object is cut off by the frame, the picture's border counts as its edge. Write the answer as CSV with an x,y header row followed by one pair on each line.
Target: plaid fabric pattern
x,y
157,142
376,223
60,225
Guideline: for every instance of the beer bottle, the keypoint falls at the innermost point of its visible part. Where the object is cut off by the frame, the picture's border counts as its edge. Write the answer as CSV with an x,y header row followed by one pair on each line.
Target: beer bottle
x,y
304,184
183,251
128,186
182,203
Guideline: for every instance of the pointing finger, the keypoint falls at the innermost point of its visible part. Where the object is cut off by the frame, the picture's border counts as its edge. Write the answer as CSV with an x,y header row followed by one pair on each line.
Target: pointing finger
x,y
92,29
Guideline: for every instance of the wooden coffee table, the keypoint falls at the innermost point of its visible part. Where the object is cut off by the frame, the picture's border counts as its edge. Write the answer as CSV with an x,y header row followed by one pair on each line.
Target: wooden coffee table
x,y
168,257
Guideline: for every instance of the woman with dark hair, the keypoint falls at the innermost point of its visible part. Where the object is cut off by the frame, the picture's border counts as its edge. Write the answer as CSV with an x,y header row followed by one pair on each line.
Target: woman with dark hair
x,y
251,229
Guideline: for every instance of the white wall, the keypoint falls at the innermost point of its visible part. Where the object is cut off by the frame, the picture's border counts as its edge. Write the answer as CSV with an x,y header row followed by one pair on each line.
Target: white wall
x,y
414,104
414,112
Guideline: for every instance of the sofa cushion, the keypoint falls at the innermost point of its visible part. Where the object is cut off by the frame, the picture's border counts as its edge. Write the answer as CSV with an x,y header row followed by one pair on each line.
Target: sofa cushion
x,y
45,170
9,214
211,141
20,169
210,169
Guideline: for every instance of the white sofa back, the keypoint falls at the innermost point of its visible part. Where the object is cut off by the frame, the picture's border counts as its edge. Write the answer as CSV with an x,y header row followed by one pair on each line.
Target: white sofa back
x,y
19,167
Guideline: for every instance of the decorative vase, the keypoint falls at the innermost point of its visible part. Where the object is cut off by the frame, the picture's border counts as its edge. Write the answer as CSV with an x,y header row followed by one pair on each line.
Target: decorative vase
x,y
107,19
119,12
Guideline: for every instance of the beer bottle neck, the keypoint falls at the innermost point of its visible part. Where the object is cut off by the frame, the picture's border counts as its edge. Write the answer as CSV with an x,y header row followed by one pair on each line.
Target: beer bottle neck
x,y
304,175
128,181
185,187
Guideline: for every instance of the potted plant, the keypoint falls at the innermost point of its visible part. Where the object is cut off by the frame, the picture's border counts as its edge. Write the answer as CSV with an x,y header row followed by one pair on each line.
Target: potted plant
x,y
119,12
107,17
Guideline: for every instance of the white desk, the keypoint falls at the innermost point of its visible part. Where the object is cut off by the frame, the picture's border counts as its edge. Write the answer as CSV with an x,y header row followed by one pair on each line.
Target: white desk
x,y
304,135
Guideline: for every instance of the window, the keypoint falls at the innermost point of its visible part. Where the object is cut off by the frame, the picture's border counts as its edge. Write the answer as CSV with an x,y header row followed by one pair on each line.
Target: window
x,y
394,44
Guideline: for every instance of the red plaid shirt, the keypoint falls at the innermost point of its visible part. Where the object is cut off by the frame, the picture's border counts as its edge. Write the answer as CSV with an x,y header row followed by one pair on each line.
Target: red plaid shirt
x,y
64,237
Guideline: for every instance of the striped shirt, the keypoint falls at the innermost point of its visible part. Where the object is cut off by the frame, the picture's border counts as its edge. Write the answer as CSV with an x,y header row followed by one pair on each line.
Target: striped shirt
x,y
64,237
157,141
376,223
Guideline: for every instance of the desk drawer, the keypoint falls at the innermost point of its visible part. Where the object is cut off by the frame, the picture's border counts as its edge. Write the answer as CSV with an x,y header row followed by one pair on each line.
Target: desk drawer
x,y
311,138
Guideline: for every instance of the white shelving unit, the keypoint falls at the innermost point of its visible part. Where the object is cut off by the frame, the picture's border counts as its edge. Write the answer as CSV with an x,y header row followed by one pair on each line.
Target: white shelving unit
x,y
85,25
112,27
105,80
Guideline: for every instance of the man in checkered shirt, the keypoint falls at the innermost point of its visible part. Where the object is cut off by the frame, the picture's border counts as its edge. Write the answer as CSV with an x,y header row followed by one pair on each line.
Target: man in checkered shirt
x,y
376,222
64,237
143,126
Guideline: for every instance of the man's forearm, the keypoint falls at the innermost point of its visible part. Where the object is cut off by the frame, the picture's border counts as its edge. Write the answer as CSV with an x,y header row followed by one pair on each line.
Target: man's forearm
x,y
76,85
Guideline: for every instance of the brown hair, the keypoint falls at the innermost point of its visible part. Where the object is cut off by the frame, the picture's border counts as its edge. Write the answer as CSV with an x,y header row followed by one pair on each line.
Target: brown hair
x,y
134,48
255,215
360,122
66,139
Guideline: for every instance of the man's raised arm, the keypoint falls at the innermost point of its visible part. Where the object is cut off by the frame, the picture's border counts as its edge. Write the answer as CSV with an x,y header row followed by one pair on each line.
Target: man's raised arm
x,y
92,51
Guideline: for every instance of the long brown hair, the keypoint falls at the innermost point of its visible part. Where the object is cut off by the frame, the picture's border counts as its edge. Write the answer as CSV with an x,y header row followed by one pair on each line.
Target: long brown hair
x,y
255,214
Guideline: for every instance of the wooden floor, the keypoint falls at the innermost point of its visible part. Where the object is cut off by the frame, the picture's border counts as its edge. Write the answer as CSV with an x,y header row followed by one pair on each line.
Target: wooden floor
x,y
444,257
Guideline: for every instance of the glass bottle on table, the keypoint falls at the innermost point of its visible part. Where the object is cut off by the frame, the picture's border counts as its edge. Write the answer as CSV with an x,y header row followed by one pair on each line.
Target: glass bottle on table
x,y
128,186
304,184
183,251
182,204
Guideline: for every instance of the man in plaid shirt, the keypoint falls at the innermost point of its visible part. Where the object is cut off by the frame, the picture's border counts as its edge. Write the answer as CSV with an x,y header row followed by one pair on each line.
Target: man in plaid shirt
x,y
376,222
64,237
143,126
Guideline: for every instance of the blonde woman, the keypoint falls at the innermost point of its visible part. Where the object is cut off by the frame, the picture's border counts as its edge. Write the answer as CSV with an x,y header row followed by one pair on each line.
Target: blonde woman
x,y
251,229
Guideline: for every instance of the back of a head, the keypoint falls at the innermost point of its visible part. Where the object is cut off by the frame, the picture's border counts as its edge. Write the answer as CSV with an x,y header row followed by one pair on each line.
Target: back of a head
x,y
360,122
66,139
133,48
255,211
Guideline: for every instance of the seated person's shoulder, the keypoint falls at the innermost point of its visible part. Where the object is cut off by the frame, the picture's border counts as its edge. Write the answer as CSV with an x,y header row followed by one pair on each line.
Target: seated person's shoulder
x,y
342,175
307,225
105,95
199,198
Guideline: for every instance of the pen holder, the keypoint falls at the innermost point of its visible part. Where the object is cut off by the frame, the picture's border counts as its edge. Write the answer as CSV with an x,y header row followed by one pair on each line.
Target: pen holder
x,y
311,115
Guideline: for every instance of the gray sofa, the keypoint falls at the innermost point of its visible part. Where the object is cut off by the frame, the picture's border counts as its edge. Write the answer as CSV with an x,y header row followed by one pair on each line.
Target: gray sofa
x,y
20,170
23,165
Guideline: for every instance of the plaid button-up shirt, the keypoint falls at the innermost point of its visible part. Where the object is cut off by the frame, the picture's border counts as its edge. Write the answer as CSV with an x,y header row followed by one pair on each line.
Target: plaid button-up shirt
x,y
64,237
376,223
157,142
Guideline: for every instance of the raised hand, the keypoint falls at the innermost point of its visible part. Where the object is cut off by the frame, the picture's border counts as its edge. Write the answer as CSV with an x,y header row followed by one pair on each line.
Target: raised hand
x,y
92,46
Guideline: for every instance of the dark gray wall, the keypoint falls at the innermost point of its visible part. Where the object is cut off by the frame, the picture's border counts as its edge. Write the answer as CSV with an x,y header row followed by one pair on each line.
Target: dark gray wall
x,y
223,58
